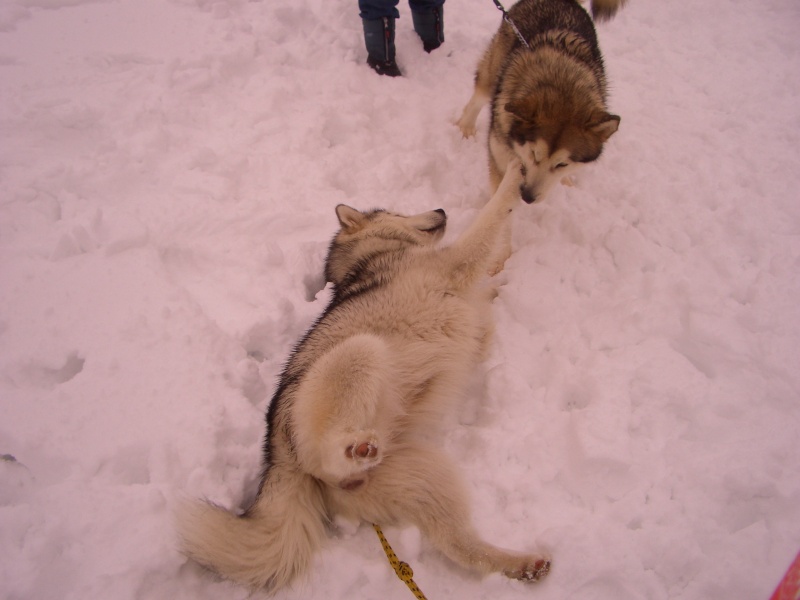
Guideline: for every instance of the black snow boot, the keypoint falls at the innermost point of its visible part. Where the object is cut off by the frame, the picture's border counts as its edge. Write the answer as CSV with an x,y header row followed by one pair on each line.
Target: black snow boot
x,y
429,25
379,38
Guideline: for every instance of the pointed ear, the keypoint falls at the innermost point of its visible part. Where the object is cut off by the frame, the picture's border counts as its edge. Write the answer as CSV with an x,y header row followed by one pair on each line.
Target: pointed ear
x,y
604,126
349,218
522,110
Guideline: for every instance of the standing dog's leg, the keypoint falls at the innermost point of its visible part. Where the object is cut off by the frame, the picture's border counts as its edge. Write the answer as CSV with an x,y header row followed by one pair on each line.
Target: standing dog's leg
x,y
469,116
485,77
481,95
343,410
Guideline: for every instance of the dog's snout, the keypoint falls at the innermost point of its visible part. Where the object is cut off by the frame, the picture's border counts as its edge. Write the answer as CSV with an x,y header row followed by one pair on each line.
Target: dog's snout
x,y
440,211
527,195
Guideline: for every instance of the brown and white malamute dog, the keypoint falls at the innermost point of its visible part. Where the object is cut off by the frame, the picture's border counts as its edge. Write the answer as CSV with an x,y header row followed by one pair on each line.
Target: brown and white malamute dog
x,y
548,99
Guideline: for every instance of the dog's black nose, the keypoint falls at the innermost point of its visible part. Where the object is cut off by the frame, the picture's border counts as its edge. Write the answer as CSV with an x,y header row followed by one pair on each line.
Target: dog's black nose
x,y
526,194
440,211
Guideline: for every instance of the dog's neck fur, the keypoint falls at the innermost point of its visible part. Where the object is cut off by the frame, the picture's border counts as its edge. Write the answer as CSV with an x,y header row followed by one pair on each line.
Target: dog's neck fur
x,y
372,269
547,66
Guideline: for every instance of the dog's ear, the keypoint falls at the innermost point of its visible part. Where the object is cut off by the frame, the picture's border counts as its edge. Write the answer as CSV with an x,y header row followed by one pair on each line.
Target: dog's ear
x,y
524,110
524,125
349,218
604,125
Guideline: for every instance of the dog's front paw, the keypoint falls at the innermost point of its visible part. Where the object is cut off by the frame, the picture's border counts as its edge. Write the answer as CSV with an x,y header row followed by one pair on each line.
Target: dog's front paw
x,y
468,129
531,571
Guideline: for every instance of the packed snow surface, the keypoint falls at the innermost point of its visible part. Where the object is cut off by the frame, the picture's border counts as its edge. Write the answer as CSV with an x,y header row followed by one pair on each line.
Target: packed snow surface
x,y
168,177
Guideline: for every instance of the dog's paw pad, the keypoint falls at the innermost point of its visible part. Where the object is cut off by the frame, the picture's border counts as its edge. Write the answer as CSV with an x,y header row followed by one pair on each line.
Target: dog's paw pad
x,y
364,450
531,572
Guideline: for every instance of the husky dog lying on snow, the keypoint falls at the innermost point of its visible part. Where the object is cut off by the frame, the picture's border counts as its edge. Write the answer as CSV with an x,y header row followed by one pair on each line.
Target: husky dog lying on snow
x,y
348,429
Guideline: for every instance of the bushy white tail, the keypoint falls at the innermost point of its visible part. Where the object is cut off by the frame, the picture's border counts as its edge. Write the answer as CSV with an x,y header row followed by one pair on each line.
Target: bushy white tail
x,y
271,545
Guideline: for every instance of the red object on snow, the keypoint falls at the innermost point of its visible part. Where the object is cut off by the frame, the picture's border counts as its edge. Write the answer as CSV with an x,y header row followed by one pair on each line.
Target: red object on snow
x,y
789,587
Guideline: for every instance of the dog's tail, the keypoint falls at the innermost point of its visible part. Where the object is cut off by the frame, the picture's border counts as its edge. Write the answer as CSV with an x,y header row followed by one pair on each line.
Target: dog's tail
x,y
270,545
603,10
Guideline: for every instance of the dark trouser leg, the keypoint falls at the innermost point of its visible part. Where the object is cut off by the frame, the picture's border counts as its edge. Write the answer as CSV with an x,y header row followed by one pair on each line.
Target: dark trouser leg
x,y
379,39
428,16
377,9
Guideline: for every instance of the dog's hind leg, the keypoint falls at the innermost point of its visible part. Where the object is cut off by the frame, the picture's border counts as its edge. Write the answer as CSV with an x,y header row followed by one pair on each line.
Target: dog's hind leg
x,y
420,485
343,411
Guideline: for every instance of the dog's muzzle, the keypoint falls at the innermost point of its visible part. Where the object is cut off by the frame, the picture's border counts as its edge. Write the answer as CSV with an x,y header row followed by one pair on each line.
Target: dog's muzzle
x,y
438,227
527,195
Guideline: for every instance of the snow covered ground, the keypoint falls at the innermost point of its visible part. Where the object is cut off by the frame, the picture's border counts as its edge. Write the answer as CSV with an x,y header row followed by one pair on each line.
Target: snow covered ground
x,y
168,173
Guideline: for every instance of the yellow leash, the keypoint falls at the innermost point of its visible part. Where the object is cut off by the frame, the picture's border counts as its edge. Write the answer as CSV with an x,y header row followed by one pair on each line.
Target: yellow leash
x,y
402,569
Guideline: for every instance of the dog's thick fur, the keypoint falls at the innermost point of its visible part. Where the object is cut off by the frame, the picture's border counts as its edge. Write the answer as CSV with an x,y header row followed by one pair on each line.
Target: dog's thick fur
x,y
350,427
548,101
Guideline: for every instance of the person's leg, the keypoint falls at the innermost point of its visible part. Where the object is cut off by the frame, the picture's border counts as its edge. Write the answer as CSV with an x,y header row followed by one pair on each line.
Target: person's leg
x,y
428,17
378,17
378,9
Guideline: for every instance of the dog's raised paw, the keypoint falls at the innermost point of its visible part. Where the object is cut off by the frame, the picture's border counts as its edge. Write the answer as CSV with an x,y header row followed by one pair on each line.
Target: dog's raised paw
x,y
530,572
